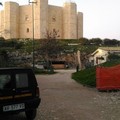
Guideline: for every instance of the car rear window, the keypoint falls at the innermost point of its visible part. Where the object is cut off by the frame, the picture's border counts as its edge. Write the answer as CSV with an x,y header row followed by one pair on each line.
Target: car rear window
x,y
5,81
21,80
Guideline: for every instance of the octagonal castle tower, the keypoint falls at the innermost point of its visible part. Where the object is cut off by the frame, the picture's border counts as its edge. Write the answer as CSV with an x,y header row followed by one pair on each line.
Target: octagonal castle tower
x,y
9,23
70,21
17,21
40,18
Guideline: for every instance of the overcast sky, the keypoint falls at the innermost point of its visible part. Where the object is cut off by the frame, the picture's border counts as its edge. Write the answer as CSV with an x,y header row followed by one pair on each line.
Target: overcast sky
x,y
101,17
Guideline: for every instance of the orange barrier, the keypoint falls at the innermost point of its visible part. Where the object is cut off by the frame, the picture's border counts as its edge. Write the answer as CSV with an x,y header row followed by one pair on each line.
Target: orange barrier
x,y
108,78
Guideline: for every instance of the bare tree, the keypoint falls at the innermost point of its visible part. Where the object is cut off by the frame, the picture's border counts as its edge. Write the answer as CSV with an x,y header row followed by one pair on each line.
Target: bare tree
x,y
50,46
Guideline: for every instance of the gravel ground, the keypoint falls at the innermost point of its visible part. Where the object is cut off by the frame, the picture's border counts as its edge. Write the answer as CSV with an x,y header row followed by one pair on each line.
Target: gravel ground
x,y
64,99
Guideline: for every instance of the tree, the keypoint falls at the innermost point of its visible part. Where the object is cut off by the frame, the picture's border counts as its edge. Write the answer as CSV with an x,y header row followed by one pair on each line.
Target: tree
x,y
113,56
2,39
109,42
50,46
3,58
84,41
115,42
96,41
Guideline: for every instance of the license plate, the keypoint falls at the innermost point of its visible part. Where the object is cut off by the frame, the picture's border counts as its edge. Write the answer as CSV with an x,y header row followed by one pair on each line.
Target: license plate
x,y
14,107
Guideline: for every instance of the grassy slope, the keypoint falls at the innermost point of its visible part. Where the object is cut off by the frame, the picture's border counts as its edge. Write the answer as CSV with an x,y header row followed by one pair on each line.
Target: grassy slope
x,y
87,77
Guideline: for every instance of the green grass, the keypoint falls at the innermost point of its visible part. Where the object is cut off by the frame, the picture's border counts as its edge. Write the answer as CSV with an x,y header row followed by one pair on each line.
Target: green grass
x,y
87,77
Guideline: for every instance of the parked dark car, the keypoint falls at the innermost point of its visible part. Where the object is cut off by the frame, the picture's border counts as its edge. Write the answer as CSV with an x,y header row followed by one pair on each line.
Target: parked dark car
x,y
19,92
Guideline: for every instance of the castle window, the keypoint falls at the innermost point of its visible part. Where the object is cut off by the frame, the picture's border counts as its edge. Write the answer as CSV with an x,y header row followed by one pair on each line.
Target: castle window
x,y
53,19
27,30
26,18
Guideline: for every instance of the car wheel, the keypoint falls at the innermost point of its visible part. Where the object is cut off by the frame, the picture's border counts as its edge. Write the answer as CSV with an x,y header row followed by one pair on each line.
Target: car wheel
x,y
31,114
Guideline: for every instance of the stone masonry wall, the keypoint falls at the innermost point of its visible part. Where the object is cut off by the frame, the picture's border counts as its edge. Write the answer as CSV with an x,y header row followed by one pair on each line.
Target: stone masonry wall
x,y
17,21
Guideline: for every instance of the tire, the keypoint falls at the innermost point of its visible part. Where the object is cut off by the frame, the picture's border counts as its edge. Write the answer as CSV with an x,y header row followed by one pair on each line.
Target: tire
x,y
31,114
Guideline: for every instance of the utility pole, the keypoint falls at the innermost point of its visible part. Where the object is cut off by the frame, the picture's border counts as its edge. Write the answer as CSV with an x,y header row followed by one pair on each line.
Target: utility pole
x,y
33,61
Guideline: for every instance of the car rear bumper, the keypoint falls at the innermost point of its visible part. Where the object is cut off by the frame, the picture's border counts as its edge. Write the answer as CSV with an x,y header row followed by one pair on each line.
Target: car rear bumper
x,y
28,105
32,104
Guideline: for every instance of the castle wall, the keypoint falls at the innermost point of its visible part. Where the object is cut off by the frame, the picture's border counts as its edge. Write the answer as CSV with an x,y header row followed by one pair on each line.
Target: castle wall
x,y
25,29
17,21
55,20
11,15
40,18
70,21
1,23
80,25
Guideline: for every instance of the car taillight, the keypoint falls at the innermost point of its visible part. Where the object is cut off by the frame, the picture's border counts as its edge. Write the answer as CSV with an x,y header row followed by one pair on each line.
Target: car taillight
x,y
37,92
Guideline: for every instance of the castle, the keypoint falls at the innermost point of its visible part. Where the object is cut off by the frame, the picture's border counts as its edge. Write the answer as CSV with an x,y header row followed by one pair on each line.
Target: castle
x,y
17,21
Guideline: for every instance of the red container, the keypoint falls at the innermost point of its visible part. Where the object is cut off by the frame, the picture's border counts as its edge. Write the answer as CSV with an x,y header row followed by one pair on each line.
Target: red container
x,y
108,78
